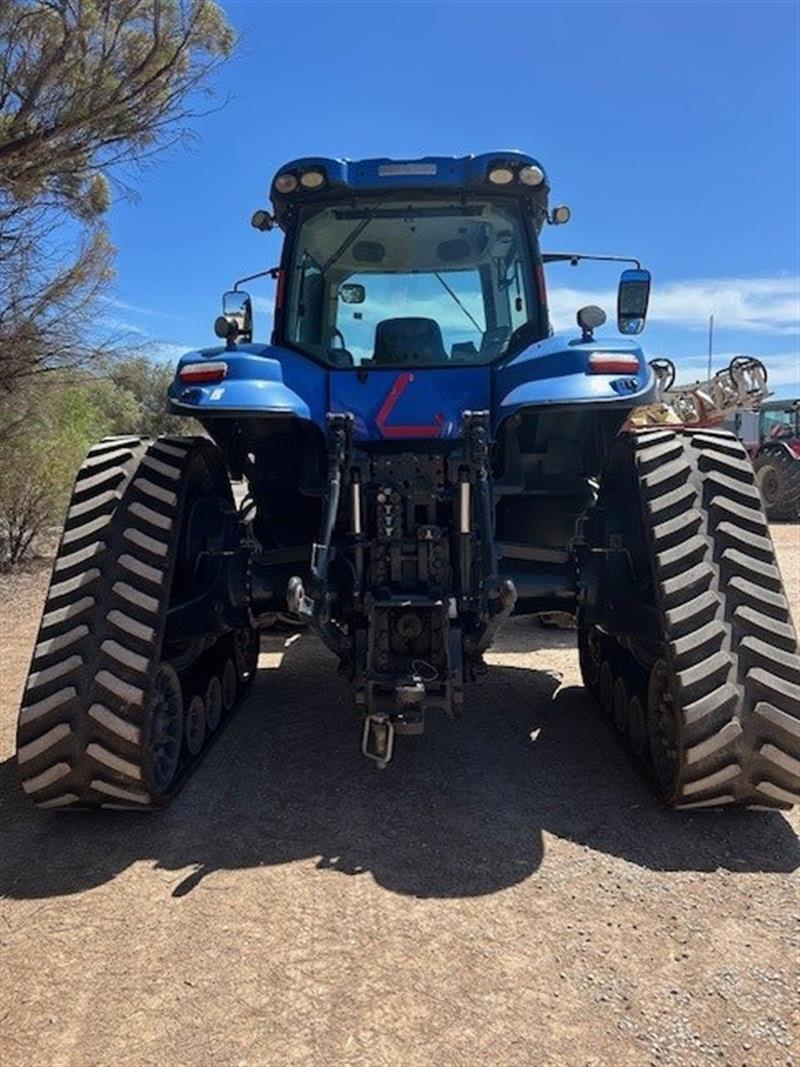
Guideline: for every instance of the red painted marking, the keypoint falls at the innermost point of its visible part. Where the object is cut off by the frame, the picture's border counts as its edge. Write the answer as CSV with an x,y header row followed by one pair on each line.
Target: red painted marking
x,y
399,386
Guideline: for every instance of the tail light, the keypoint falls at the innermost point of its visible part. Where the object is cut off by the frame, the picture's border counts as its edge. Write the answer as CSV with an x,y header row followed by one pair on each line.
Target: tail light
x,y
613,363
202,373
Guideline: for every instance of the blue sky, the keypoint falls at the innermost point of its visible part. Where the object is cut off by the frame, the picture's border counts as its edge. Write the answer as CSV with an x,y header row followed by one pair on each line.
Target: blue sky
x,y
671,130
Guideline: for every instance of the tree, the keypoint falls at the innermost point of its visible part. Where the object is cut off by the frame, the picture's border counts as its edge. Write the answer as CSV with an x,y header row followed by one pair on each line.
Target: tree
x,y
46,309
39,460
147,381
88,84
66,412
86,88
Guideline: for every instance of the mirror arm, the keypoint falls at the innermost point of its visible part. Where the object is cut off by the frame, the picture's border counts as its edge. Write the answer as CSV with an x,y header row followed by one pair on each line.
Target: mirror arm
x,y
575,257
272,273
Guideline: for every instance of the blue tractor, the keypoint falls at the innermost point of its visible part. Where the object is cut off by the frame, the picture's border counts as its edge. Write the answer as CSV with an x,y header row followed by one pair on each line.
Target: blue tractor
x,y
423,458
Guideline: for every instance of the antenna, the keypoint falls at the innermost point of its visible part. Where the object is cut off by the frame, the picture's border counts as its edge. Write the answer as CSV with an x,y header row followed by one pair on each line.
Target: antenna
x,y
710,342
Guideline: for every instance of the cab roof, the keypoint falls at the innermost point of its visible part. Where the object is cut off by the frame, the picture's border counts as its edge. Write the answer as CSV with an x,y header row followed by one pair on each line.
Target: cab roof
x,y
370,177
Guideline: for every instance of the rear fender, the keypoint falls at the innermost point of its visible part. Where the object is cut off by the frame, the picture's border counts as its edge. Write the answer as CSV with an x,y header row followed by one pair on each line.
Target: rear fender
x,y
556,372
260,380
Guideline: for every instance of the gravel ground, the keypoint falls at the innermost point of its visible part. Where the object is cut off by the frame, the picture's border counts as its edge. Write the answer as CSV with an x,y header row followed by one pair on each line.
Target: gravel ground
x,y
506,893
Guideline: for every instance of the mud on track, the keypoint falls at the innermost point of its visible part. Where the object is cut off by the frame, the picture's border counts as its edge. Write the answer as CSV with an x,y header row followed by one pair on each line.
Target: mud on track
x,y
505,893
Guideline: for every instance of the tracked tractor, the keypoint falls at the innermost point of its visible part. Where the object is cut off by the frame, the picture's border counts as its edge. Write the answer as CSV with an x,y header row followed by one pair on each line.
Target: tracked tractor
x,y
423,459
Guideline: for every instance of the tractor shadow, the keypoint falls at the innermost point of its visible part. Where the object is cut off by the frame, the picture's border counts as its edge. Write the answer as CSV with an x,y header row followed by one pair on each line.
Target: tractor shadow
x,y
460,812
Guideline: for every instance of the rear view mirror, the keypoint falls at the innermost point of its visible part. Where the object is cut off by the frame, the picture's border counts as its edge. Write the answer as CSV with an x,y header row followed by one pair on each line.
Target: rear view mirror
x,y
237,311
352,293
633,297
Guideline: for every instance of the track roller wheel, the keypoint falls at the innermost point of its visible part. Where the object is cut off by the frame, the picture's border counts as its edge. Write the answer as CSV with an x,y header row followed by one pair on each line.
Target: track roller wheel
x,y
213,702
165,719
637,726
606,687
230,685
102,722
720,721
621,701
195,725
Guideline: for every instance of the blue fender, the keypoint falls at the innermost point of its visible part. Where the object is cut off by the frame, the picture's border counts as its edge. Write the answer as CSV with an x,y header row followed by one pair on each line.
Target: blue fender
x,y
264,381
556,372
261,380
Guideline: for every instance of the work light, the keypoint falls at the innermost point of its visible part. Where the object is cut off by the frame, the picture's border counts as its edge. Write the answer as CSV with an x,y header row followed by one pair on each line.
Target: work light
x,y
312,179
286,183
531,175
501,175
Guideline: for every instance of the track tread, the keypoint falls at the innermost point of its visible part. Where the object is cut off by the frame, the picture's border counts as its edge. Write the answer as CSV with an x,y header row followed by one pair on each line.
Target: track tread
x,y
729,643
82,733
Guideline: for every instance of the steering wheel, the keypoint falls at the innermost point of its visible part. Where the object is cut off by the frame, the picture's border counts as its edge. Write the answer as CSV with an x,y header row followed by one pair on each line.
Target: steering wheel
x,y
337,335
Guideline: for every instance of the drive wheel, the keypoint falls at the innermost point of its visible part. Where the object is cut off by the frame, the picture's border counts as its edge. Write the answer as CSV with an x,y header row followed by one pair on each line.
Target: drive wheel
x,y
722,718
246,648
590,656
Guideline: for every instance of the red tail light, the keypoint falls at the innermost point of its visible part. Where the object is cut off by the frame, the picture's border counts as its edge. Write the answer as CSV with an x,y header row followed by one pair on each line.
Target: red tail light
x,y
613,363
202,373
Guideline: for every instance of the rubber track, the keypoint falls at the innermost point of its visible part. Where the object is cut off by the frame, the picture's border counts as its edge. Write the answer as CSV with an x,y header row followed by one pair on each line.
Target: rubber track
x,y
82,733
730,645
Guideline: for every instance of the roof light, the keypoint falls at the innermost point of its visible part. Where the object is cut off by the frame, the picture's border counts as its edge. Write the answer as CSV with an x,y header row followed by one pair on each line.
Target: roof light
x,y
202,373
531,175
613,363
560,215
286,182
501,175
312,179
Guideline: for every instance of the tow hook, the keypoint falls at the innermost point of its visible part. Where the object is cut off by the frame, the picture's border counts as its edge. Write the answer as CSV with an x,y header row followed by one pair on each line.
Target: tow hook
x,y
377,740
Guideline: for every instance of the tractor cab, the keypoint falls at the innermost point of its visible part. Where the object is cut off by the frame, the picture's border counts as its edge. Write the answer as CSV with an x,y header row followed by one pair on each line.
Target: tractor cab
x,y
780,420
429,263
444,274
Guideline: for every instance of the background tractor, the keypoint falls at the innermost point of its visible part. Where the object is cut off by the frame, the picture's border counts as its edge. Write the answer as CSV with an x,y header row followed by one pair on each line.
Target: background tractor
x,y
772,437
423,457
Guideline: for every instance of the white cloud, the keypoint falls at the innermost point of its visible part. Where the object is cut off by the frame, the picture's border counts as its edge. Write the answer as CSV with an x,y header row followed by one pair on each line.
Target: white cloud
x,y
121,305
122,329
137,309
761,305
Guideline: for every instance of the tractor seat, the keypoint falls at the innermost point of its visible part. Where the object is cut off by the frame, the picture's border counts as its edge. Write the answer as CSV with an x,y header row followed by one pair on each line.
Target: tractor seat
x,y
411,340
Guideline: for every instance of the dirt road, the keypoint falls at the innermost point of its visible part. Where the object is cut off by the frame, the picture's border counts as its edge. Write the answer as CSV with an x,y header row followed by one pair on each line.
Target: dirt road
x,y
506,893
